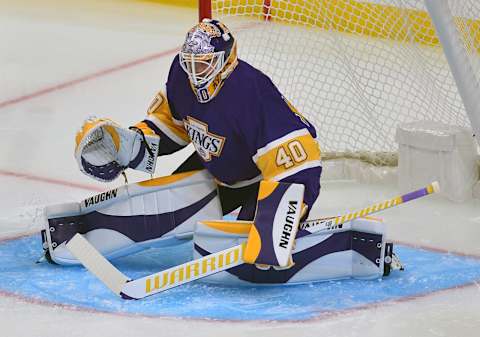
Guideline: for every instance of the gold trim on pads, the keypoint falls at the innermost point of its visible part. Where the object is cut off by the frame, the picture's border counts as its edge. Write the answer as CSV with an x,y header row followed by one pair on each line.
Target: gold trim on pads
x,y
232,227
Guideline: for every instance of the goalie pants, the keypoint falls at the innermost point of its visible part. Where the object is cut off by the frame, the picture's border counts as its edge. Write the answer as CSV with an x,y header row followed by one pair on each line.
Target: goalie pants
x,y
230,198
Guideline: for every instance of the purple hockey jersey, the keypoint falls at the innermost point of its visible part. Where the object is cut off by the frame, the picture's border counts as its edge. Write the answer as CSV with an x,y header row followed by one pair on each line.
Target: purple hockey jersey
x,y
248,132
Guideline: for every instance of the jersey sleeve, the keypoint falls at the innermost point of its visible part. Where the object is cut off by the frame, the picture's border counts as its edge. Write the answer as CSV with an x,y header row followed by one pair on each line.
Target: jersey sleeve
x,y
160,121
282,142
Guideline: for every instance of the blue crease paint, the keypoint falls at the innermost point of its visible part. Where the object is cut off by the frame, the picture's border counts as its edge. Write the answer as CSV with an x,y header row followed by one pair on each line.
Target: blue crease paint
x,y
426,272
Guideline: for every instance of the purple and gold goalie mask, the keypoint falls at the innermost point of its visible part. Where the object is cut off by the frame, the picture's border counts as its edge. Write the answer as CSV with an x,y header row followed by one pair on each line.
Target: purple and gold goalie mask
x,y
208,56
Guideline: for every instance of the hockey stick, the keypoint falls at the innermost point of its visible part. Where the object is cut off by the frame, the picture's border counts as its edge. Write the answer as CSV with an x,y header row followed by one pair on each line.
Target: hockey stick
x,y
210,264
327,224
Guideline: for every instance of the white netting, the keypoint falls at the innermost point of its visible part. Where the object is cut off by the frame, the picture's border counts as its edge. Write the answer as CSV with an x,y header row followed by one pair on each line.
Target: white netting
x,y
467,19
356,69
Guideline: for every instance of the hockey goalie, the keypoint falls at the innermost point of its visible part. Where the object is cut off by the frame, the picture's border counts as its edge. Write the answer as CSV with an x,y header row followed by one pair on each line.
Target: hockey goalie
x,y
255,153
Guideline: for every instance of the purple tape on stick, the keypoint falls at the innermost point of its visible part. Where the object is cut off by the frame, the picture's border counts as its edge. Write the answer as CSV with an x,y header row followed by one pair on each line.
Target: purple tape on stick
x,y
414,195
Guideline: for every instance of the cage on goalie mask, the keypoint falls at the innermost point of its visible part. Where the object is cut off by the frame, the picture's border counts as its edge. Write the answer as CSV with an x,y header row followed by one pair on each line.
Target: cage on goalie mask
x,y
208,56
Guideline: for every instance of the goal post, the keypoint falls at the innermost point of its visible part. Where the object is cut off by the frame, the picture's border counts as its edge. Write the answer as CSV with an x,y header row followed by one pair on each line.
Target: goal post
x,y
204,9
456,49
359,69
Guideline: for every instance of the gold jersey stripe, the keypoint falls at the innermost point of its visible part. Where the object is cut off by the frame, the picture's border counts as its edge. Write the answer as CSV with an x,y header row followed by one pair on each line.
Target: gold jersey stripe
x,y
145,129
161,110
268,163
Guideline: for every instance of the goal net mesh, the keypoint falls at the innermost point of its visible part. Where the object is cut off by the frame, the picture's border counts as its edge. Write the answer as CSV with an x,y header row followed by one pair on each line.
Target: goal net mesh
x,y
355,69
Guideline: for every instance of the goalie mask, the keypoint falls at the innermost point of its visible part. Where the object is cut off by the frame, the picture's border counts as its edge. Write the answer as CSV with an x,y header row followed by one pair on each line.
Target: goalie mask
x,y
208,56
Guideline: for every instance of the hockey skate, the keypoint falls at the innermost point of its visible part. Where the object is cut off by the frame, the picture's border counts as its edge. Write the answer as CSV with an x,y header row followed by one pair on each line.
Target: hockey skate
x,y
391,260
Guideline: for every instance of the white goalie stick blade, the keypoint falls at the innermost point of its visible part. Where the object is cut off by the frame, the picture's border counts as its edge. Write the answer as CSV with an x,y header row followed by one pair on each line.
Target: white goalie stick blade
x,y
184,273
121,285
96,263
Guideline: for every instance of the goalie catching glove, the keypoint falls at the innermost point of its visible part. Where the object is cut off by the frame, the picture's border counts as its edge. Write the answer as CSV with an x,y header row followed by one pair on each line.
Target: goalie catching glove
x,y
104,149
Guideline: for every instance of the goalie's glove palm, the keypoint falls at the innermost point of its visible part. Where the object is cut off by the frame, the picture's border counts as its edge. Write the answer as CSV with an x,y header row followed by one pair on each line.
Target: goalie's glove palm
x,y
104,149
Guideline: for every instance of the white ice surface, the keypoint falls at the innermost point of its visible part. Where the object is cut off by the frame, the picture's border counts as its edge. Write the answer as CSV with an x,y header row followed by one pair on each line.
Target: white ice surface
x,y
47,43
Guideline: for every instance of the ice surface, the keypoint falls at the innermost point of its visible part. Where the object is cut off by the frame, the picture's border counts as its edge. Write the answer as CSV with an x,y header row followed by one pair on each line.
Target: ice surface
x,y
426,272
